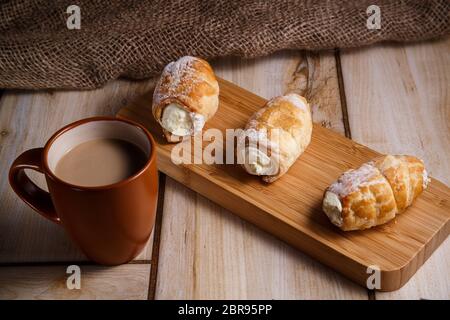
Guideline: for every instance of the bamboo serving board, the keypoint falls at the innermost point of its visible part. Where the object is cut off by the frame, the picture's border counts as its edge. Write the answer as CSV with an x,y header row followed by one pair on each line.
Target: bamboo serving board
x,y
290,208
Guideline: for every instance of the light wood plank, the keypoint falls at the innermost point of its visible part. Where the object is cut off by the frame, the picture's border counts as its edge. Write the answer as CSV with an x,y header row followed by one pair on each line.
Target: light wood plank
x,y
311,75
44,282
27,120
398,102
206,252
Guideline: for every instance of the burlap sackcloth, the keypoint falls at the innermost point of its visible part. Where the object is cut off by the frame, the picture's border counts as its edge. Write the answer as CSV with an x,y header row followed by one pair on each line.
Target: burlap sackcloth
x,y
135,39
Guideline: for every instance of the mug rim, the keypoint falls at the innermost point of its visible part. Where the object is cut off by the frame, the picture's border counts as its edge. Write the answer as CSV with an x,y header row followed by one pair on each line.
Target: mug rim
x,y
70,126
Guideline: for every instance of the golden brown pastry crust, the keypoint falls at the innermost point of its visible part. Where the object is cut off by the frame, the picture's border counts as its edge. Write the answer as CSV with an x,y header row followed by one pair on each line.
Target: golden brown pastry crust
x,y
190,83
405,175
374,193
290,114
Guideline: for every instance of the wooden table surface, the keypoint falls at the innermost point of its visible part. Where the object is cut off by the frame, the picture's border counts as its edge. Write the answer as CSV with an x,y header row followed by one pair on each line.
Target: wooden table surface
x,y
393,98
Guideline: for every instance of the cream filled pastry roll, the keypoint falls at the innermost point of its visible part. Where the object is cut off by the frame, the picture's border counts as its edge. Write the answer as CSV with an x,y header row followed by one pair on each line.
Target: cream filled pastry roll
x,y
275,136
375,192
185,97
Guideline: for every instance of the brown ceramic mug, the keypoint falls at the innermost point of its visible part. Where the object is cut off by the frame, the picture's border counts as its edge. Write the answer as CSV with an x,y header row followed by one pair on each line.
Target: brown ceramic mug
x,y
111,224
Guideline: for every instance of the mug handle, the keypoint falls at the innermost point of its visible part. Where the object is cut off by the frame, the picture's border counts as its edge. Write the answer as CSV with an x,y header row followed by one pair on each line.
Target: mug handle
x,y
26,189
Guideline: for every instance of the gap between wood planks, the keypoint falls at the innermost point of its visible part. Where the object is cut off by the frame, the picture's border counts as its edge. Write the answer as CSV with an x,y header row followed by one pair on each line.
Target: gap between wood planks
x,y
156,238
371,295
337,56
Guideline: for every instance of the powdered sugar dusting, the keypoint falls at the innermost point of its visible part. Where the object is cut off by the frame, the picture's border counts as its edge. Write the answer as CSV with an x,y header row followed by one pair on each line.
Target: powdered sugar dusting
x,y
177,72
352,179
296,101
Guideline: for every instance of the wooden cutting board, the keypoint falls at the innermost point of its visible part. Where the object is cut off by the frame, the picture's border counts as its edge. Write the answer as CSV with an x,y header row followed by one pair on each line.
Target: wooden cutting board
x,y
290,208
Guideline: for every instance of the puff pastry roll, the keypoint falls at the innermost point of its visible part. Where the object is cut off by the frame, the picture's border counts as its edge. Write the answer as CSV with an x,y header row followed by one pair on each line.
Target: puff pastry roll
x,y
276,135
375,192
185,97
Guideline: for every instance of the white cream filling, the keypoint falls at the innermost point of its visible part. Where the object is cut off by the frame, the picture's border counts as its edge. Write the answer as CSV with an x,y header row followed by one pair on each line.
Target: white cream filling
x,y
179,122
258,163
333,208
